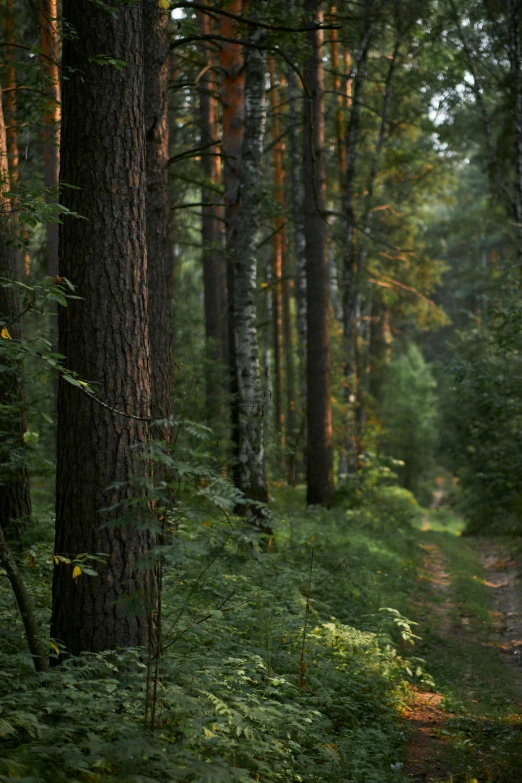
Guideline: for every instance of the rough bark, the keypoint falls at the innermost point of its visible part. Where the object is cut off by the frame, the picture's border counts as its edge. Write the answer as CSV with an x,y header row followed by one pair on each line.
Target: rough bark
x,y
251,451
159,254
319,413
50,45
277,267
25,605
103,335
233,100
214,265
15,498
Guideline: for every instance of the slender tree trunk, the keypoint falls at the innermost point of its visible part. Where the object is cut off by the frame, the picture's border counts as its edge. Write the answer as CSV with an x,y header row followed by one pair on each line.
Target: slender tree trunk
x,y
10,96
297,203
214,266
339,111
159,254
251,450
25,605
350,444
319,453
363,327
233,99
103,335
277,267
515,57
15,499
50,52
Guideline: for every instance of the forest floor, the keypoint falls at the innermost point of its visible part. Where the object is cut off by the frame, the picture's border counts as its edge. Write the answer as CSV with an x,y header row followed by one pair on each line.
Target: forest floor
x,y
468,602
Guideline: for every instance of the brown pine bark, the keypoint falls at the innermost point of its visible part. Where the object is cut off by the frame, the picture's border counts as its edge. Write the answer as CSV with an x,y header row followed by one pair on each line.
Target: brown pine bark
x,y
277,267
214,265
50,53
319,414
156,52
15,499
10,96
339,110
104,334
233,100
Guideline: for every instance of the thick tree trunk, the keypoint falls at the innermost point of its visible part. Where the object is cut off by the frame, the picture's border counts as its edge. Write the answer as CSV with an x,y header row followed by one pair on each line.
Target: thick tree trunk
x,y
233,99
104,334
251,451
319,453
277,269
159,254
15,499
214,265
50,46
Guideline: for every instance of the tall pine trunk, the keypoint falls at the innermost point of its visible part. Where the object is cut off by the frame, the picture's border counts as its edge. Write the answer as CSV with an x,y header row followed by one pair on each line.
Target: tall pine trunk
x,y
277,270
233,100
159,254
351,446
11,127
49,45
104,334
297,203
214,266
251,451
15,499
319,412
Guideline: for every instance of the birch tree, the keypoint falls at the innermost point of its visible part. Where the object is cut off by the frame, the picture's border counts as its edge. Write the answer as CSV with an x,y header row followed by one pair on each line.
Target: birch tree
x,y
251,453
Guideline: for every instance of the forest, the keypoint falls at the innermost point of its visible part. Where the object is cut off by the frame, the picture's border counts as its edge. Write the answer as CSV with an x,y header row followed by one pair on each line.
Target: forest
x,y
261,391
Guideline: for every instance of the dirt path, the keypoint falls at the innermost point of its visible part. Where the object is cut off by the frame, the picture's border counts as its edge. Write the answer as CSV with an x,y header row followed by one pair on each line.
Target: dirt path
x,y
429,759
504,580
425,718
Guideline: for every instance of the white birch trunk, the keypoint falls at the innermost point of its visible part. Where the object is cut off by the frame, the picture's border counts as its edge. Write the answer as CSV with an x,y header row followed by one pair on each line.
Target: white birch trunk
x,y
251,453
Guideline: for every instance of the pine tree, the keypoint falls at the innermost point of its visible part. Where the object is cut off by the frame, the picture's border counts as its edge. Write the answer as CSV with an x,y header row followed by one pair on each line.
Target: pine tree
x,y
103,334
319,416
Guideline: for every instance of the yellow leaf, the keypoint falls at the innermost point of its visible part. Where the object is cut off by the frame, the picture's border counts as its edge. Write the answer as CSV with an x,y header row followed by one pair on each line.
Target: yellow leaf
x,y
76,572
83,383
164,4
5,333
55,648
56,559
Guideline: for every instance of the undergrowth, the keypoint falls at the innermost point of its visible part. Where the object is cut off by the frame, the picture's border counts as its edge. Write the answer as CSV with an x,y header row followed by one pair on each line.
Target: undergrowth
x,y
286,664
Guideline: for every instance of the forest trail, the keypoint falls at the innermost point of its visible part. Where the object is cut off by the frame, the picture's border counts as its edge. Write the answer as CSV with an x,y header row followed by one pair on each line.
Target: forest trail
x,y
470,614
